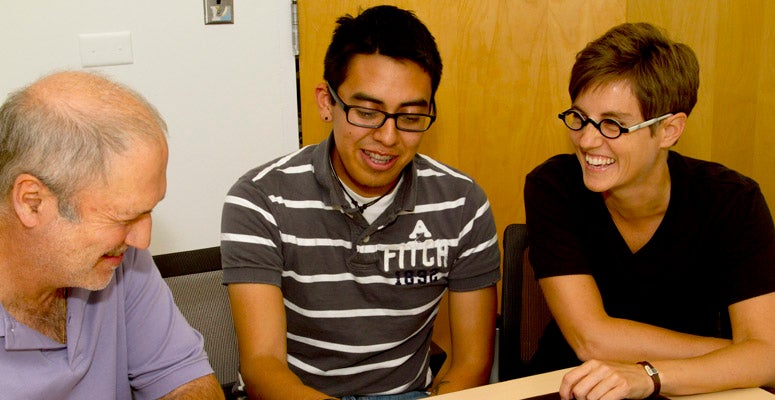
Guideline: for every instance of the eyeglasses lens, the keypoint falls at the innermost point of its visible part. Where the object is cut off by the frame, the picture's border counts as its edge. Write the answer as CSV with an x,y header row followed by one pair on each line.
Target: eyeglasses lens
x,y
366,117
610,128
573,120
413,122
369,118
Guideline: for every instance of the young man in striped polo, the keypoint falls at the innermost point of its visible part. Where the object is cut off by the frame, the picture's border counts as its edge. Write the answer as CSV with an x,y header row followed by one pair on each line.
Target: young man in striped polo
x,y
337,256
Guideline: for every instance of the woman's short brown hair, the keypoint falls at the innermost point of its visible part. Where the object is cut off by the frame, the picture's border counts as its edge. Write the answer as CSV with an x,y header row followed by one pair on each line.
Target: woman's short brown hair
x,y
664,75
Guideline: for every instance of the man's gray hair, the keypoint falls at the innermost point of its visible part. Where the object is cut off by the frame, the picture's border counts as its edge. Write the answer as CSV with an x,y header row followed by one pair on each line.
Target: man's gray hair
x,y
65,132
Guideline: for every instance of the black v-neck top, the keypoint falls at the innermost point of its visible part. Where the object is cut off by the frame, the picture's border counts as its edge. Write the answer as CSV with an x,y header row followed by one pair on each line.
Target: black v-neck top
x,y
714,247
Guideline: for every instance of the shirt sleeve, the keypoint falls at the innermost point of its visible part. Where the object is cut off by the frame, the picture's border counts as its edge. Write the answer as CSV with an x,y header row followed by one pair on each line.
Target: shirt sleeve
x,y
251,247
750,243
478,265
553,208
164,351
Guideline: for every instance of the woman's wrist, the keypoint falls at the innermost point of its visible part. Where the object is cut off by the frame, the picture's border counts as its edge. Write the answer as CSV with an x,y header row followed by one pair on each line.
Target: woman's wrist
x,y
654,375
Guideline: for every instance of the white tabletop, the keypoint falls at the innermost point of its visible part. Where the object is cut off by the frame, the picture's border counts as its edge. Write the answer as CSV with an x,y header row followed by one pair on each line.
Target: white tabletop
x,y
550,382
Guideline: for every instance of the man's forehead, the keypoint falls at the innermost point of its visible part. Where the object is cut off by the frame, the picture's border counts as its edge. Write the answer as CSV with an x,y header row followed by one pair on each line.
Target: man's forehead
x,y
382,79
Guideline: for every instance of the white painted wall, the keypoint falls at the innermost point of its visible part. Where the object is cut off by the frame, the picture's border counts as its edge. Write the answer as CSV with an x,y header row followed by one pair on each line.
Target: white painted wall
x,y
227,92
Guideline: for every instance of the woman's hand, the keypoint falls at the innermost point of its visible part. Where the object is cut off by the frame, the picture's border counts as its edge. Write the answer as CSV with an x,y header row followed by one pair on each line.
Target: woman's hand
x,y
600,380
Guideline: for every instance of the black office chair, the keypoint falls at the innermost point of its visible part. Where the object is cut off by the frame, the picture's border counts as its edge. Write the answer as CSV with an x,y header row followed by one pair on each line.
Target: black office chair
x,y
194,277
524,313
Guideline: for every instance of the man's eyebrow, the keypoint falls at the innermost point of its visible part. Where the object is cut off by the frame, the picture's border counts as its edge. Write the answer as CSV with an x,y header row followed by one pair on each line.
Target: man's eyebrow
x,y
137,214
132,215
365,97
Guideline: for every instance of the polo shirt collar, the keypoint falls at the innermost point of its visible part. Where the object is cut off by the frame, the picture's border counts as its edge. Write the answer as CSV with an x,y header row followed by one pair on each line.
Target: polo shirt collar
x,y
406,196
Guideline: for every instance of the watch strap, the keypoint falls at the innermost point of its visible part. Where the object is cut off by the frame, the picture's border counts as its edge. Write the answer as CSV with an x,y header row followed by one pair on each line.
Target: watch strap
x,y
654,375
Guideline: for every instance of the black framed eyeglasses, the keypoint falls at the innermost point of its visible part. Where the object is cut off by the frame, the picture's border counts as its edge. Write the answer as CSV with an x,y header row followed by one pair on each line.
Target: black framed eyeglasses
x,y
371,118
607,127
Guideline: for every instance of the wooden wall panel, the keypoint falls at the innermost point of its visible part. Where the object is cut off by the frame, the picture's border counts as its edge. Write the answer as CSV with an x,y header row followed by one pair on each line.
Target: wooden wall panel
x,y
764,145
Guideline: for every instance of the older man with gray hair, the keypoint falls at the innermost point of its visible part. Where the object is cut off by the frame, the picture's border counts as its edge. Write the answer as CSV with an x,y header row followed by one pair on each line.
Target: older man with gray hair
x,y
84,313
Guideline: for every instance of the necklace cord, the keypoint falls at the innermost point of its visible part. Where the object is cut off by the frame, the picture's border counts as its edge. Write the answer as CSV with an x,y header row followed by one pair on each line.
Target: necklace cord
x,y
359,206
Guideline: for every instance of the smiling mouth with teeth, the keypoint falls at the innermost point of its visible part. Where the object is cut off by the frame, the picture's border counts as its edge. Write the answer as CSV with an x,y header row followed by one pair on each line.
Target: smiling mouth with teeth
x,y
598,161
378,158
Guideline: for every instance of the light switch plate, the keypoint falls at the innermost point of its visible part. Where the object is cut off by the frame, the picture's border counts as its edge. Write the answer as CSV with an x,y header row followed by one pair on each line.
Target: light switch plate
x,y
219,12
98,49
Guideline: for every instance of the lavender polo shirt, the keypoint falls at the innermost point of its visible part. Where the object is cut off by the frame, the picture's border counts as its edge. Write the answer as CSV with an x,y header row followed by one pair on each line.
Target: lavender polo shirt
x,y
128,337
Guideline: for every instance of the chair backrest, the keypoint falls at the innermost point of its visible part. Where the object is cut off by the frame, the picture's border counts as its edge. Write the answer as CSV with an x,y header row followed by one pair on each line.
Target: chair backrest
x,y
194,277
524,313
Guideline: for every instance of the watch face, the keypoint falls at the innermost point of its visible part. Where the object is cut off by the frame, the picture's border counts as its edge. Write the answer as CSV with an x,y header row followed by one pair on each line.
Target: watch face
x,y
651,370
